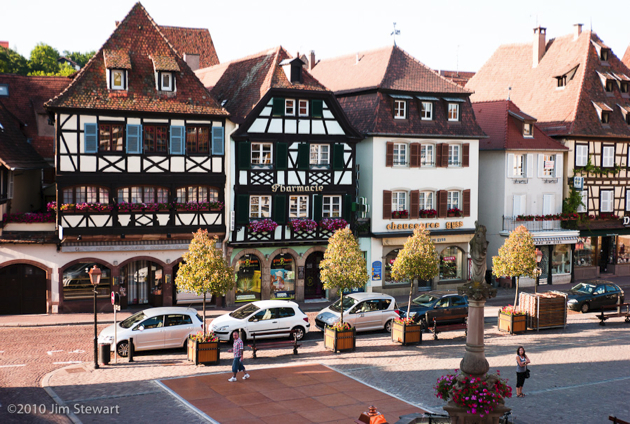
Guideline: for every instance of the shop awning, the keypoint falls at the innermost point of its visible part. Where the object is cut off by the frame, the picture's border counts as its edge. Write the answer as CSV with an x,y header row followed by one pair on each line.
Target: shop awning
x,y
605,232
545,241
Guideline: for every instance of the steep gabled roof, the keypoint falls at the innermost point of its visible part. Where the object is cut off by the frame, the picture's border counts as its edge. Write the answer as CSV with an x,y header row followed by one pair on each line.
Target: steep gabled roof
x,y
137,39
192,41
242,83
26,99
15,151
626,57
502,121
389,68
560,111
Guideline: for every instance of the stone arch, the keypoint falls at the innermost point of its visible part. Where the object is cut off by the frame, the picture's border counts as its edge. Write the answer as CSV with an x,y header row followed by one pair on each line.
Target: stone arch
x,y
112,268
299,283
46,269
302,262
265,278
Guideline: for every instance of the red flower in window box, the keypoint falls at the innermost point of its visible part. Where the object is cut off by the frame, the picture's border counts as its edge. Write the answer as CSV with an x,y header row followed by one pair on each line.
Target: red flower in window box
x,y
428,213
454,212
303,224
333,224
262,226
404,214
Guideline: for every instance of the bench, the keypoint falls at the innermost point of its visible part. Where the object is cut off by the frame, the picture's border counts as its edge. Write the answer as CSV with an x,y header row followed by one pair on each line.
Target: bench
x,y
619,314
437,328
272,345
616,420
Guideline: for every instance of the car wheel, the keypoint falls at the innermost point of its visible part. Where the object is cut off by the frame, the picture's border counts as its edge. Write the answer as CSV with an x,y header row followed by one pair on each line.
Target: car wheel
x,y
388,326
123,349
423,323
585,308
300,332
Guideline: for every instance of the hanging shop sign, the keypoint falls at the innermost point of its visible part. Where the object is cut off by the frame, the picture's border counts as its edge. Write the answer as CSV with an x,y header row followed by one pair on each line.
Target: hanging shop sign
x,y
293,189
377,267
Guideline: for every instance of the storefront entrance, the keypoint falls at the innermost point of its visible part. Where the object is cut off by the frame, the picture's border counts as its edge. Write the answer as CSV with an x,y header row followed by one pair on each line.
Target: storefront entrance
x,y
607,254
141,282
22,290
313,287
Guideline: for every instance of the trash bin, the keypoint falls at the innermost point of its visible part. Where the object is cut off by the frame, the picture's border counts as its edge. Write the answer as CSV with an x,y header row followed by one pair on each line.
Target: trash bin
x,y
104,353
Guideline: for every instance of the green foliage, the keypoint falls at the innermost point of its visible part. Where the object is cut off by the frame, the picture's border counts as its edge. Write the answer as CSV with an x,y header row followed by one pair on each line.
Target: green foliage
x,y
204,269
80,58
592,169
11,62
517,257
43,60
572,202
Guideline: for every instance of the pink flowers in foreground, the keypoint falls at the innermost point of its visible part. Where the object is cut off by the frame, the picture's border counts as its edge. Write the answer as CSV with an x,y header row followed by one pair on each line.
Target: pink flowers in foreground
x,y
29,217
478,395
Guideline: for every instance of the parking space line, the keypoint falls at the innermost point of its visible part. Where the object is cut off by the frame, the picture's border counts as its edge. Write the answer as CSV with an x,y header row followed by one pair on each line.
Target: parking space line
x,y
8,366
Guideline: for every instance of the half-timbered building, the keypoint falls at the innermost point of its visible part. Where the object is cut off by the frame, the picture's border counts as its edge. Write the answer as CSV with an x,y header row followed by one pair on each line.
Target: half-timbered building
x,y
418,164
293,173
579,92
140,166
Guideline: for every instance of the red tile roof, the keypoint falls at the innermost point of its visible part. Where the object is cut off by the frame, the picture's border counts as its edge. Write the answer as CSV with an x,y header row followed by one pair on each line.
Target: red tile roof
x,y
385,68
626,57
15,151
192,41
458,77
139,37
26,100
244,82
560,111
505,131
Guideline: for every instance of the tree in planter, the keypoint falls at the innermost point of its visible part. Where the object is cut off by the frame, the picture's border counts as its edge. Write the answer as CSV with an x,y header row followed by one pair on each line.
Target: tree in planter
x,y
417,260
516,257
343,267
204,269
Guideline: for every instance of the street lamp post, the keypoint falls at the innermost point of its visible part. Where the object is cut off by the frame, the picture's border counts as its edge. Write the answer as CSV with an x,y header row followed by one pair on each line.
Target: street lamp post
x,y
95,279
539,256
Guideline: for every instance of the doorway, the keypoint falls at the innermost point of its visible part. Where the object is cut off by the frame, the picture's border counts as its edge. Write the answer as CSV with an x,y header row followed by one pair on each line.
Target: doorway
x,y
22,290
607,254
313,287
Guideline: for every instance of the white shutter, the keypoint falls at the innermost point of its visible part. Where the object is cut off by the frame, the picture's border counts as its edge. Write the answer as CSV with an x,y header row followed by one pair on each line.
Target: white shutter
x,y
516,205
605,199
541,165
510,165
548,204
558,165
530,166
627,199
584,207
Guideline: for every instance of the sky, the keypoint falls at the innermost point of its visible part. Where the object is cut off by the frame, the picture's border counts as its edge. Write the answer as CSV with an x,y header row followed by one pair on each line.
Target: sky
x,y
443,34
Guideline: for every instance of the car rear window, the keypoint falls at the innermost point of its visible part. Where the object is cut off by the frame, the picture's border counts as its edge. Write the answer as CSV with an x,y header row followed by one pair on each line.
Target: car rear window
x,y
244,311
459,301
286,313
384,305
611,289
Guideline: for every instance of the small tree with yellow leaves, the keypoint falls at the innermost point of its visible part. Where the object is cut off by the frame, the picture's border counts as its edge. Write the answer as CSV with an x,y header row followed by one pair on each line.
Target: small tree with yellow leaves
x,y
417,260
204,269
517,257
343,267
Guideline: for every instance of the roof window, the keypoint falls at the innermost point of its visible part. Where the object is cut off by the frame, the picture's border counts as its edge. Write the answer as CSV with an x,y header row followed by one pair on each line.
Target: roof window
x,y
4,90
165,68
563,79
603,111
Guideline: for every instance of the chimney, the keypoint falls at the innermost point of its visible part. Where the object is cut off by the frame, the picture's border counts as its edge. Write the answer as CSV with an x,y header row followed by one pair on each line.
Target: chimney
x,y
539,45
117,23
312,60
4,44
192,60
577,31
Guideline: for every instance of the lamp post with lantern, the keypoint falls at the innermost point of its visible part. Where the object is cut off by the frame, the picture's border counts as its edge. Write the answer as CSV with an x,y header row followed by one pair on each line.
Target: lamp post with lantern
x,y
95,279
538,271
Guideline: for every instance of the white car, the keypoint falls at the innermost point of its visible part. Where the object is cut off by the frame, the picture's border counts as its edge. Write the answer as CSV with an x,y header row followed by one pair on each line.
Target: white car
x,y
154,328
364,311
262,317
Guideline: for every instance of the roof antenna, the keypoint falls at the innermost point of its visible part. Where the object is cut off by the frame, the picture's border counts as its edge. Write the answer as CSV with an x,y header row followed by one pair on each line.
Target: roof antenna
x,y
509,92
395,33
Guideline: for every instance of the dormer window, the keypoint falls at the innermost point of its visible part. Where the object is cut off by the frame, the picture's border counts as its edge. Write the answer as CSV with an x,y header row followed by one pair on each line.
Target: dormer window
x,y
289,107
623,86
118,64
453,112
118,79
562,81
603,110
603,55
605,117
528,129
426,111
166,81
625,111
400,109
165,68
609,85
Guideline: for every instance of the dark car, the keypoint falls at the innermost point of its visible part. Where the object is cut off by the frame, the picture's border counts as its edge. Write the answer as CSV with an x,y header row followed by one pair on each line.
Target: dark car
x,y
437,305
594,295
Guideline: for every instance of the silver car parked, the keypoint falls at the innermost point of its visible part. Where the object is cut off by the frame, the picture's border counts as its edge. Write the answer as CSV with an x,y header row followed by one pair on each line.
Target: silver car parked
x,y
364,311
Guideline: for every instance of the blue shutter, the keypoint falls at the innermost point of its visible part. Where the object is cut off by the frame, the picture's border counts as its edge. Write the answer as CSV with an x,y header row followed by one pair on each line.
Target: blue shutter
x,y
217,141
90,138
134,138
177,140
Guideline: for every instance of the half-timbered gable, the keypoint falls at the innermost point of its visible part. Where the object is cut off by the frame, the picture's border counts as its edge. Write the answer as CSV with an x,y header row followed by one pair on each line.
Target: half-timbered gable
x,y
418,162
294,168
579,91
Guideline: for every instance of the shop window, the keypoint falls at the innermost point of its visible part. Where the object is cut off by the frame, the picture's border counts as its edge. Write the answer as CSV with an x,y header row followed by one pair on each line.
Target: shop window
x,y
85,194
451,263
77,285
142,194
196,194
283,277
390,258
585,252
142,280
561,259
623,252
197,139
248,273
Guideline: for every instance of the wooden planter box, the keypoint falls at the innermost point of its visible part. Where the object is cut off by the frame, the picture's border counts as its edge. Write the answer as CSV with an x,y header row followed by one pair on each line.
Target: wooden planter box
x,y
512,323
544,310
406,333
206,353
340,341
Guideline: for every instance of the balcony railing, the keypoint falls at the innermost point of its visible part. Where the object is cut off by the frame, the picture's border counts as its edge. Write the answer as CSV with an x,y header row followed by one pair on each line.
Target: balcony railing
x,y
510,223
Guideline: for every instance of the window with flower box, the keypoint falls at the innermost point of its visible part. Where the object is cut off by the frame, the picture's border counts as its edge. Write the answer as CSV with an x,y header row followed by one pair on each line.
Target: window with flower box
x,y
331,207
196,194
111,137
259,207
261,154
298,206
399,205
453,200
426,201
197,139
155,138
142,194
85,194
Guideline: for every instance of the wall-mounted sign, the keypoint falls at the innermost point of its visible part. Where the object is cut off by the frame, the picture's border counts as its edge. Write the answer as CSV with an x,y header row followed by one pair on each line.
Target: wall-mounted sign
x,y
578,183
451,224
626,221
292,189
549,164
301,272
377,268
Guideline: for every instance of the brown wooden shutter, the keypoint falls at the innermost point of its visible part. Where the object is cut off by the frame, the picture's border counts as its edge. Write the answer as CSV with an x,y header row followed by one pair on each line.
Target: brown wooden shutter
x,y
415,155
465,154
389,154
466,197
442,196
414,210
438,155
445,155
387,204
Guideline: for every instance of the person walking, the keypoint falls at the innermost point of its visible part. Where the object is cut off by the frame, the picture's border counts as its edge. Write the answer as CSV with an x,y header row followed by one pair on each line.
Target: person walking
x,y
521,369
237,364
